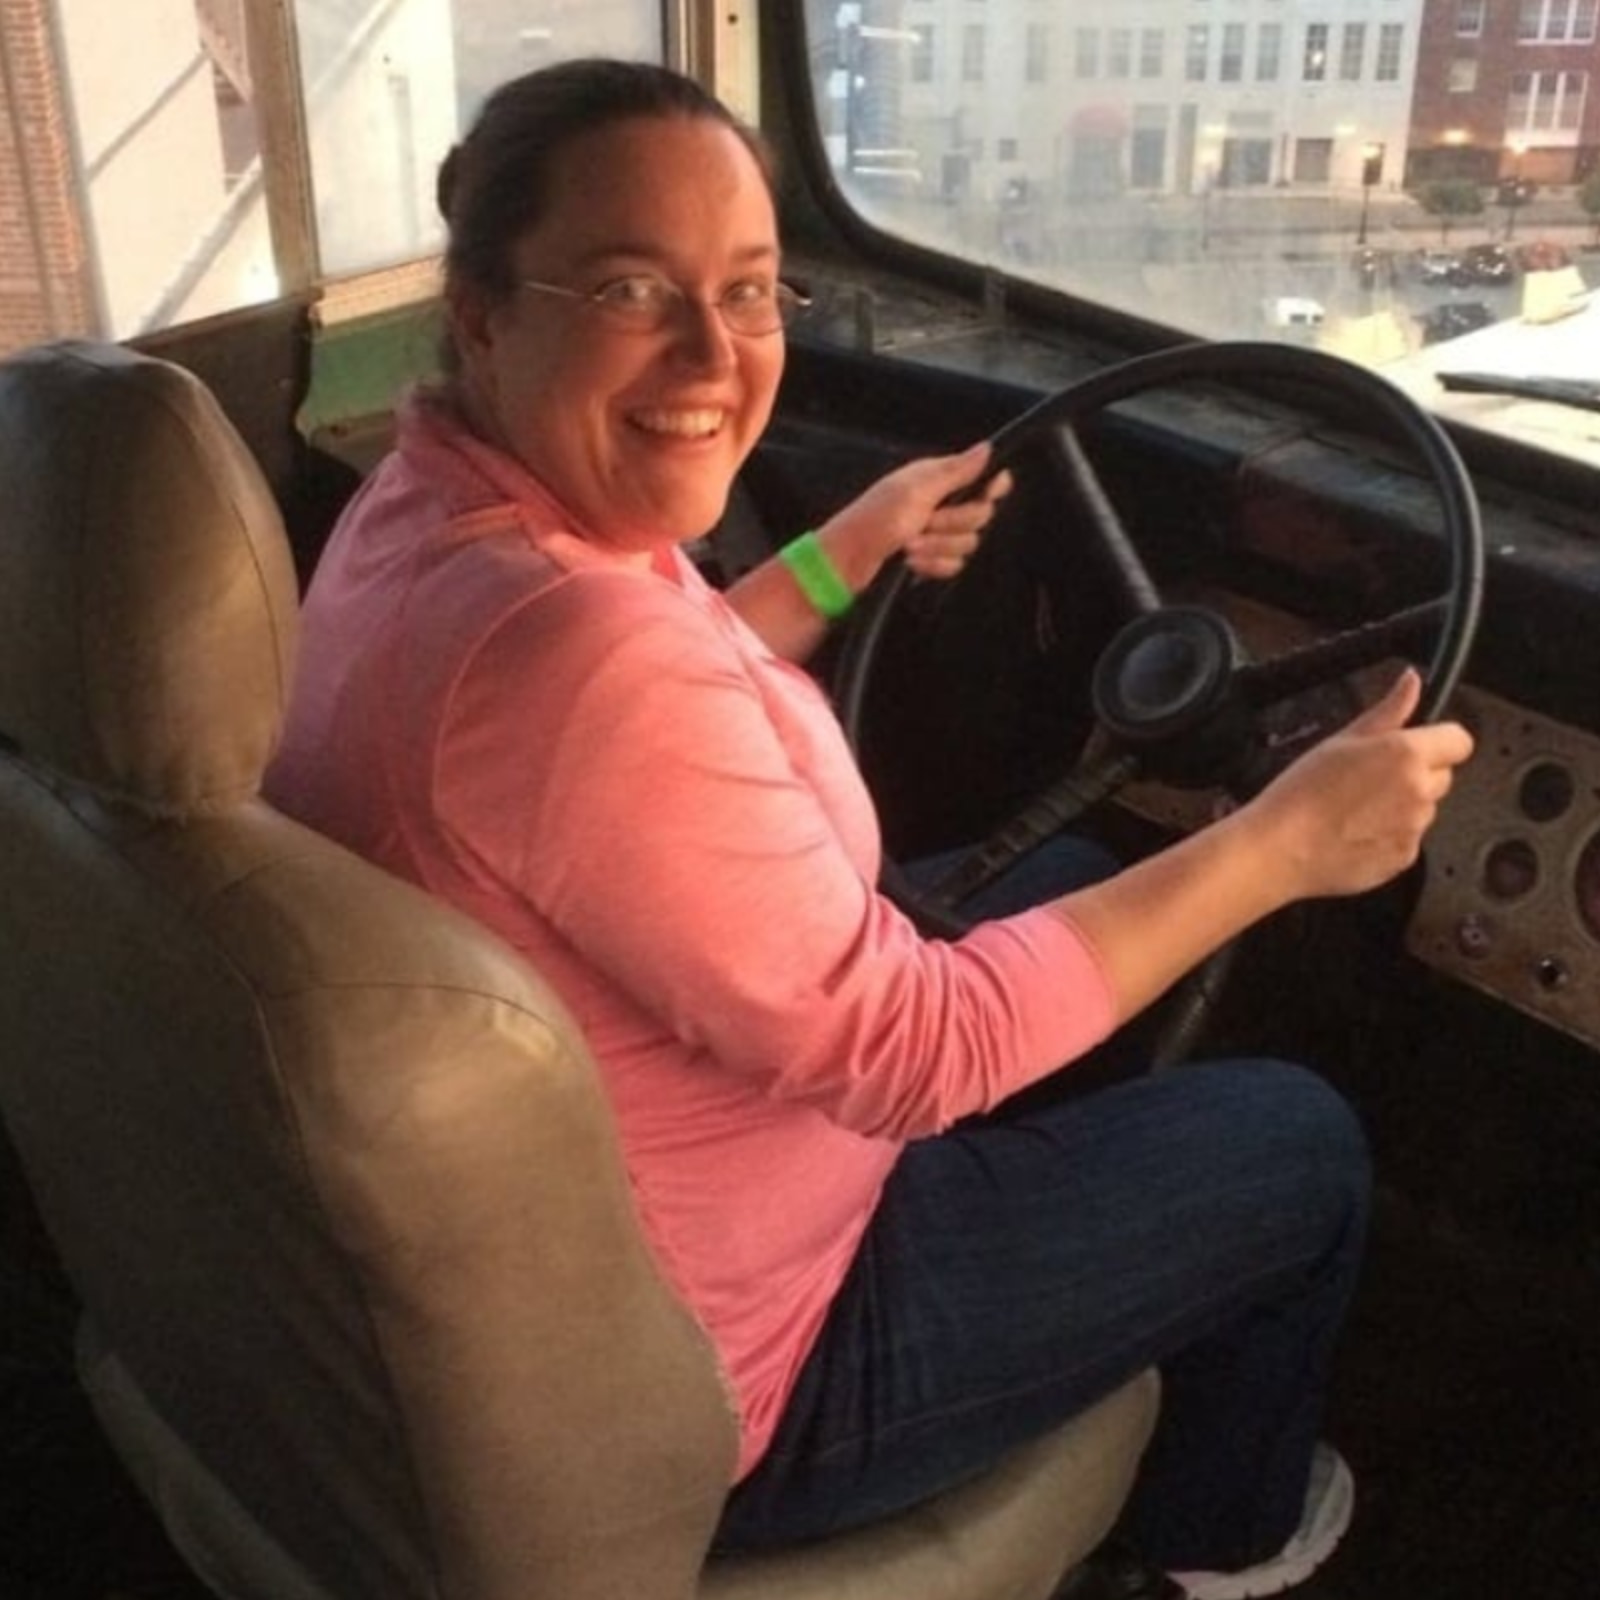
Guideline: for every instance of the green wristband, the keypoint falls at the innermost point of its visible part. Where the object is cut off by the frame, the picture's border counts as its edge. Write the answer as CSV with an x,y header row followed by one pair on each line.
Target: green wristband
x,y
817,576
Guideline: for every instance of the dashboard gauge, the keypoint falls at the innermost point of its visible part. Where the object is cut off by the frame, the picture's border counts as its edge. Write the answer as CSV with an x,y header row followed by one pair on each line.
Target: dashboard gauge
x,y
1546,791
1586,886
1510,870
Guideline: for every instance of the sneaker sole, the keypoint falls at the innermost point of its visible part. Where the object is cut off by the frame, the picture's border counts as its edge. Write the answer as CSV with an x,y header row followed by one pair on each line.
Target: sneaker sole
x,y
1283,1571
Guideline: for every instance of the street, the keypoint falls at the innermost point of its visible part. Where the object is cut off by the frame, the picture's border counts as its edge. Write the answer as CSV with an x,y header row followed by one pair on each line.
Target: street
x,y
1227,264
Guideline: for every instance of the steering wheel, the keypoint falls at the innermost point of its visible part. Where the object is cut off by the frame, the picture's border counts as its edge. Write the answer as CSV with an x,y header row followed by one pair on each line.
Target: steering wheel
x,y
1174,694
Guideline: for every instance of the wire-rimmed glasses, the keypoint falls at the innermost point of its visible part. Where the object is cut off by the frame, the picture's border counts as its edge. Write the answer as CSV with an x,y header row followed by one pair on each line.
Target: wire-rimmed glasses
x,y
645,303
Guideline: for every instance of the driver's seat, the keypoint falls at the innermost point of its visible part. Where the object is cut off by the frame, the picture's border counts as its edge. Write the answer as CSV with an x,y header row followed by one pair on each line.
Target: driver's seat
x,y
365,1309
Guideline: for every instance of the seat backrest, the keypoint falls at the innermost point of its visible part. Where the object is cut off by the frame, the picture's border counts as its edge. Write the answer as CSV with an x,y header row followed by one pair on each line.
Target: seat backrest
x,y
327,1166
366,1308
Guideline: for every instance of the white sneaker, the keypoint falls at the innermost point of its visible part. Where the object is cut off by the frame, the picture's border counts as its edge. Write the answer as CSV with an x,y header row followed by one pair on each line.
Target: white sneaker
x,y
1330,1498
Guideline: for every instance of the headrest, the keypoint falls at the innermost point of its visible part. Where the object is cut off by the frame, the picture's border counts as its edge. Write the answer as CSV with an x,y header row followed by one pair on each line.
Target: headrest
x,y
148,606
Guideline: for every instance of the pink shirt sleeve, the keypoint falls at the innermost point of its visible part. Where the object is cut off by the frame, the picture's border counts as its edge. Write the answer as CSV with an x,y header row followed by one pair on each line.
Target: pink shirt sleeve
x,y
688,817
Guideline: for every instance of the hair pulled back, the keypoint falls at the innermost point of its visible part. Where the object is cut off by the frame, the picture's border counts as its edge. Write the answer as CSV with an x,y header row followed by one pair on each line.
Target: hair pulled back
x,y
494,184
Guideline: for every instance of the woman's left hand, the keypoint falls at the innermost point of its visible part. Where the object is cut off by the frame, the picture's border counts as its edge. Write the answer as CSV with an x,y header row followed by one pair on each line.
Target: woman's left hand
x,y
912,509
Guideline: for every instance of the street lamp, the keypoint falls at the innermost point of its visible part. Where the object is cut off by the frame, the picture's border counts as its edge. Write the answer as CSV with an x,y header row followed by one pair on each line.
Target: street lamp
x,y
1511,192
1371,171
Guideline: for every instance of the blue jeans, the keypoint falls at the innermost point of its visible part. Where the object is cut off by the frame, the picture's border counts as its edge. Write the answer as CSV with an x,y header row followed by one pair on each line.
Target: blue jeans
x,y
1208,1220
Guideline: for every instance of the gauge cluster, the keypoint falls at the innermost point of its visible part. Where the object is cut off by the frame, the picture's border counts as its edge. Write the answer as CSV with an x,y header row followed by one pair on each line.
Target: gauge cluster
x,y
1511,902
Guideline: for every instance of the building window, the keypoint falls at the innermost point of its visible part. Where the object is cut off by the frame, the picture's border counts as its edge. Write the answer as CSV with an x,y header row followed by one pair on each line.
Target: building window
x,y
1147,150
1005,149
1196,48
1230,68
1574,91
1557,21
1546,102
972,53
1086,53
1152,52
1119,53
922,55
1390,36
1352,48
1246,154
1462,75
1269,52
1037,59
1314,65
1469,19
1313,160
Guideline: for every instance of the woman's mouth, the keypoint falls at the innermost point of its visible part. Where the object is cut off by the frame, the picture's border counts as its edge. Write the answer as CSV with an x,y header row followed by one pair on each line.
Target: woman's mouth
x,y
701,423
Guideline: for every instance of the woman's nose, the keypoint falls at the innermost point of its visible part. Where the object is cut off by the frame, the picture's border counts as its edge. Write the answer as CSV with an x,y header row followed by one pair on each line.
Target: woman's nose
x,y
702,334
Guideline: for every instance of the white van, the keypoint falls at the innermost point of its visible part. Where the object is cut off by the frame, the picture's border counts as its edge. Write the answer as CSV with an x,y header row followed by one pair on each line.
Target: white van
x,y
1294,311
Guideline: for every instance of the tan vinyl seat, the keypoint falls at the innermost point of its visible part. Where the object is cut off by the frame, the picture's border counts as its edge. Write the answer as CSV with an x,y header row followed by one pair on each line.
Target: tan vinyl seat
x,y
365,1308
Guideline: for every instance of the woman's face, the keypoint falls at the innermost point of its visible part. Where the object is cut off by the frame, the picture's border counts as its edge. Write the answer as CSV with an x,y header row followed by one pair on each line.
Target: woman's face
x,y
637,433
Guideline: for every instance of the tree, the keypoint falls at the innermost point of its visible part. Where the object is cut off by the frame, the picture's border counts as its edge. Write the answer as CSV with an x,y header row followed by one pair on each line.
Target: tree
x,y
1449,198
1589,199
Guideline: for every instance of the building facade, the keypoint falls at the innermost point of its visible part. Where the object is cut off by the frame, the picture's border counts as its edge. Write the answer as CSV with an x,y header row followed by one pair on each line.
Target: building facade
x,y
1506,91
1123,96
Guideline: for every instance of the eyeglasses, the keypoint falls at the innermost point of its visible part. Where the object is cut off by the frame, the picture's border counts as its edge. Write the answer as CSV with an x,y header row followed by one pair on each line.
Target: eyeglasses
x,y
645,303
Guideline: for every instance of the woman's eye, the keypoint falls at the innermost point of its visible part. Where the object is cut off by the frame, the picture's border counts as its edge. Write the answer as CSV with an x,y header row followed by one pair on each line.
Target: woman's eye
x,y
747,292
636,294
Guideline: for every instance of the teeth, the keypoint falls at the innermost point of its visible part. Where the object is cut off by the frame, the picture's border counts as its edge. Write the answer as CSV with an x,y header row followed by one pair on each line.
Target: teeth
x,y
681,424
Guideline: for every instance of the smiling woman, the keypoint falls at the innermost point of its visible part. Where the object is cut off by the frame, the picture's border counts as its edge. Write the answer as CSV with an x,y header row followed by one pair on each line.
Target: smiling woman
x,y
524,688
517,691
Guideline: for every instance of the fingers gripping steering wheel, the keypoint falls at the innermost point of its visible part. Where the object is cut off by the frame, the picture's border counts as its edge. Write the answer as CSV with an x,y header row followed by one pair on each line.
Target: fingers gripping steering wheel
x,y
1174,694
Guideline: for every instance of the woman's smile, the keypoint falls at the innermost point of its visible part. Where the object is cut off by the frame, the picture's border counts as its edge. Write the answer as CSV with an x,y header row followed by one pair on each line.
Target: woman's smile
x,y
699,423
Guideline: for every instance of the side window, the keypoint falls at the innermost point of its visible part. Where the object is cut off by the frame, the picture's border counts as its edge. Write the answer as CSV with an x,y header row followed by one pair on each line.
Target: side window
x,y
385,88
132,187
155,149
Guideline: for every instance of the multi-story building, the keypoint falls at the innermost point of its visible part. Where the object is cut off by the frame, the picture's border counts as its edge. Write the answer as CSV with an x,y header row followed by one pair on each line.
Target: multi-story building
x,y
1505,91
1117,96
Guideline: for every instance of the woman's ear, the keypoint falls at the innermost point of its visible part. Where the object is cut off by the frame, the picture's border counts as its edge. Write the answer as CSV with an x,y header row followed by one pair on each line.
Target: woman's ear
x,y
467,312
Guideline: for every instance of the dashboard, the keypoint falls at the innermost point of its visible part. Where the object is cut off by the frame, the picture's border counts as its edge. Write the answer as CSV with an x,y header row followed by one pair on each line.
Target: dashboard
x,y
1511,897
1508,897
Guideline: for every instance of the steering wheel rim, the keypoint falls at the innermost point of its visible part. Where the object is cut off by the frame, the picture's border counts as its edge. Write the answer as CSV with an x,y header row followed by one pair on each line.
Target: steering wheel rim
x,y
1057,415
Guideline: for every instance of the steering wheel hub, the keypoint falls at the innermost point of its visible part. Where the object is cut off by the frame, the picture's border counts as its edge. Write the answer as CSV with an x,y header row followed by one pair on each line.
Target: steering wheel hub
x,y
1164,673
1163,687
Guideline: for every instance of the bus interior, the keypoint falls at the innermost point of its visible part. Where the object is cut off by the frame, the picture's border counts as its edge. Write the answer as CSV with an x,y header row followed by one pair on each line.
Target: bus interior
x,y
1091,228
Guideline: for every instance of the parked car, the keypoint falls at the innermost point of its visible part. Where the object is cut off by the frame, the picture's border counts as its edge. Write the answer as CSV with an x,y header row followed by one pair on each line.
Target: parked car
x,y
1452,319
1295,311
1487,263
1439,266
1542,255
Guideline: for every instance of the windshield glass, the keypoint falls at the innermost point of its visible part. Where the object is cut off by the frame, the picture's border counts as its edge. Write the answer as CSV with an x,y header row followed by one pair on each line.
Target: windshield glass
x,y
1403,182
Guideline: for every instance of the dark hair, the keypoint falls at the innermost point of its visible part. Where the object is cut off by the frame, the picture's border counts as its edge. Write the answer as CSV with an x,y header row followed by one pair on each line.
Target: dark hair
x,y
493,185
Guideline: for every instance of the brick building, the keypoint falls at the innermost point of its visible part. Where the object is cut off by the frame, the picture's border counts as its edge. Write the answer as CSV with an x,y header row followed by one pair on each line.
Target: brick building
x,y
1507,88
46,288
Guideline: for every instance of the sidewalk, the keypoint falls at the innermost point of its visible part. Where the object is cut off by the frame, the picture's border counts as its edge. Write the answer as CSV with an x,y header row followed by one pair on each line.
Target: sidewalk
x,y
1551,213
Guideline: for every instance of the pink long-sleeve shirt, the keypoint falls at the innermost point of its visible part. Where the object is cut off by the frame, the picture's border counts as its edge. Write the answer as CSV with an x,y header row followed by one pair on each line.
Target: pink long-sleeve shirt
x,y
600,761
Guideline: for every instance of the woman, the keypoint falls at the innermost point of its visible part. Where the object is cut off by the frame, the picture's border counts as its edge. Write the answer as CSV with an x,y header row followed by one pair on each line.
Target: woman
x,y
516,690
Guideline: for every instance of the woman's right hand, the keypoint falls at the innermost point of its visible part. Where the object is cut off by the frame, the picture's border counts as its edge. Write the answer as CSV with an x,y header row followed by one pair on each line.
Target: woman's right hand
x,y
1351,813
1347,816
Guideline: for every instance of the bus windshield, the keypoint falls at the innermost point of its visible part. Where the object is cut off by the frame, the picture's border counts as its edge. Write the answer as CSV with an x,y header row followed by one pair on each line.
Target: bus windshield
x,y
1406,183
